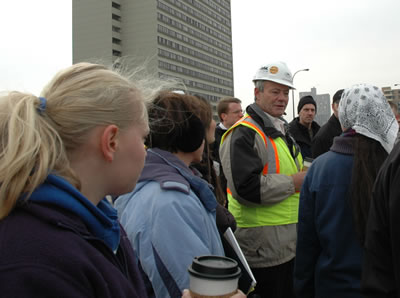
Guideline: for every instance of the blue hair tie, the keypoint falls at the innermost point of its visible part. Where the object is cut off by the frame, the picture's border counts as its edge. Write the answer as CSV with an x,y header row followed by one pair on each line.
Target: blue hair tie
x,y
42,106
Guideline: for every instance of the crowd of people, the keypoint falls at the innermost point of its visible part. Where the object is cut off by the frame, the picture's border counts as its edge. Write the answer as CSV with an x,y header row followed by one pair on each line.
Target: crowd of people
x,y
178,181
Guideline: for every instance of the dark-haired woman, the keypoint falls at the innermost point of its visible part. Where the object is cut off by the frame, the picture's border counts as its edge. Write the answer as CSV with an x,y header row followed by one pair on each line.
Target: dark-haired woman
x,y
206,169
170,215
336,194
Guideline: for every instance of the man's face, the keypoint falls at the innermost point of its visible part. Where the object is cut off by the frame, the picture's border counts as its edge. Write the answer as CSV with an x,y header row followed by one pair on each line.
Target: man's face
x,y
233,114
274,99
335,108
307,114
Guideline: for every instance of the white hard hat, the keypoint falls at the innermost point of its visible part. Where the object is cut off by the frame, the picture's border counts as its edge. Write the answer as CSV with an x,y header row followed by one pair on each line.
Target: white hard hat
x,y
277,72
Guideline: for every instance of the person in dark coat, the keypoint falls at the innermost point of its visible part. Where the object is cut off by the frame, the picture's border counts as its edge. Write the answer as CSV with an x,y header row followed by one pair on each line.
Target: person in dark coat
x,y
323,140
61,154
229,111
336,194
303,128
381,262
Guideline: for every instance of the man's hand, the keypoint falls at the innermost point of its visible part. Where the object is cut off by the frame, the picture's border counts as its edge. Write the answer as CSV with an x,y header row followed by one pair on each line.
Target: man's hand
x,y
298,180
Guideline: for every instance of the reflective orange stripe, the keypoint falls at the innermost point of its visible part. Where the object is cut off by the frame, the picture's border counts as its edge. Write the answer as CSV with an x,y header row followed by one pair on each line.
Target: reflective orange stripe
x,y
265,170
228,191
231,129
261,133
258,130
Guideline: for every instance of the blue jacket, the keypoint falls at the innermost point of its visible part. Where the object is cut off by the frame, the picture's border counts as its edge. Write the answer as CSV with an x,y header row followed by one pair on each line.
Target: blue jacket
x,y
58,244
169,219
328,254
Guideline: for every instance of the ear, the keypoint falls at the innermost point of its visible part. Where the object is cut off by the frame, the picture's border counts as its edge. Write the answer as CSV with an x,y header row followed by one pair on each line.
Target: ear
x,y
256,92
223,116
109,142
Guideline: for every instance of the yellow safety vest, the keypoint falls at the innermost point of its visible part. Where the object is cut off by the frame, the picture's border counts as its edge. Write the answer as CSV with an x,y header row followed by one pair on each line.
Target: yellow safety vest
x,y
280,161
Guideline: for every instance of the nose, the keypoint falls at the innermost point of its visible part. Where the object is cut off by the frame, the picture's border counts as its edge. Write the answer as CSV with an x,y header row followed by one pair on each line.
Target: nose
x,y
283,96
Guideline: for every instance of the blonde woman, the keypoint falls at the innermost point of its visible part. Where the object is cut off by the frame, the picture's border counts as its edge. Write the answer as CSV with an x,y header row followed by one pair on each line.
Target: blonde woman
x,y
61,154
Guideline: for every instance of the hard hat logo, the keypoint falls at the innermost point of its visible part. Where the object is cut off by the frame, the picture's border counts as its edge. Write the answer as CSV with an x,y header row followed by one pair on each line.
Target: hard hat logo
x,y
273,69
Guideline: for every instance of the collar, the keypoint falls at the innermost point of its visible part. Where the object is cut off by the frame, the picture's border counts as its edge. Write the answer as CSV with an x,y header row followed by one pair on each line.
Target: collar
x,y
277,122
170,164
221,125
101,220
343,144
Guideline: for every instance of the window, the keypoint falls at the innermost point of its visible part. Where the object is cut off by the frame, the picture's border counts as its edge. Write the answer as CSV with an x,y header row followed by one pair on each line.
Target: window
x,y
116,40
116,17
116,5
116,29
117,53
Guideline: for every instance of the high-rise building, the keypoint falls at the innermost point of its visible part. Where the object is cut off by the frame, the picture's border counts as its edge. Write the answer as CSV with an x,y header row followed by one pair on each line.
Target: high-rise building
x,y
185,39
323,105
392,95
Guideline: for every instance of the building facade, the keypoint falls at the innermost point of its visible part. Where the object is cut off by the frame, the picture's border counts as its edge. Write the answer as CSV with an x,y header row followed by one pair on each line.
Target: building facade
x,y
323,105
188,40
392,95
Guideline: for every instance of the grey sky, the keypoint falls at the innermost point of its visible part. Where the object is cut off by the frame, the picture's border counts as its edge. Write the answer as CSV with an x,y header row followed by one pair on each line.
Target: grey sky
x,y
342,42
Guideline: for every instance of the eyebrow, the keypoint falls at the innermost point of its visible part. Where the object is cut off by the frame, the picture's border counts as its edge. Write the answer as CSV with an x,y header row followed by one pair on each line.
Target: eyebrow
x,y
277,89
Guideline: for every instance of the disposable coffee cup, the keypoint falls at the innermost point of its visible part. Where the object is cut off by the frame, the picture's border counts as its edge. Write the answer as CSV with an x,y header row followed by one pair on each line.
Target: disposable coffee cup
x,y
307,163
213,277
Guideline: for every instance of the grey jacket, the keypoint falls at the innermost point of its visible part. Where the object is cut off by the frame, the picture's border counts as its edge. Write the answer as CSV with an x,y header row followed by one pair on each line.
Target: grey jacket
x,y
243,155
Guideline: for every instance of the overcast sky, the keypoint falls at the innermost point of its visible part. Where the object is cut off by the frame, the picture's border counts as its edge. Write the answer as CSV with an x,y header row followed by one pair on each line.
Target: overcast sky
x,y
342,42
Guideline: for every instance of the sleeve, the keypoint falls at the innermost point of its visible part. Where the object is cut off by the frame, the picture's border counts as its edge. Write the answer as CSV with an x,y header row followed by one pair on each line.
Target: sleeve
x,y
224,219
379,265
246,167
180,230
308,248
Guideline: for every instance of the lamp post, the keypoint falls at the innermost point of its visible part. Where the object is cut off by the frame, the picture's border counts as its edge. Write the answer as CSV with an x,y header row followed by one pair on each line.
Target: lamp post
x,y
305,69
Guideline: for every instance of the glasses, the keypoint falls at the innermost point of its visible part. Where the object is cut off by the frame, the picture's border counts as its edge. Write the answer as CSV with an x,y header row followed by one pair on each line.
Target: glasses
x,y
236,112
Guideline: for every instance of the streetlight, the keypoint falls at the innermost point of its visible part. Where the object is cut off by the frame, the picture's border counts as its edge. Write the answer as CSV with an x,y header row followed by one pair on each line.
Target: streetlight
x,y
305,69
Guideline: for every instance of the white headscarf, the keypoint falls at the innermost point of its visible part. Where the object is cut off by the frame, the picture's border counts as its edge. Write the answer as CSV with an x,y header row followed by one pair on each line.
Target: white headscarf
x,y
365,109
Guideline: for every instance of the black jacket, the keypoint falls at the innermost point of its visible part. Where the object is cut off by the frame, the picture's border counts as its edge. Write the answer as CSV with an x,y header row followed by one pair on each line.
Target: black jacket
x,y
300,133
215,154
46,251
323,140
219,131
381,264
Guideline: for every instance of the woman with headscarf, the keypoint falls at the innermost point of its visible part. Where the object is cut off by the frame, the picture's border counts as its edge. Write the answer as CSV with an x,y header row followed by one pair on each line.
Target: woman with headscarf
x,y
336,194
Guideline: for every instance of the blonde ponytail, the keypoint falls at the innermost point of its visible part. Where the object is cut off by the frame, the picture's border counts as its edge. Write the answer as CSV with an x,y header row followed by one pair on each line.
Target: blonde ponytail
x,y
29,147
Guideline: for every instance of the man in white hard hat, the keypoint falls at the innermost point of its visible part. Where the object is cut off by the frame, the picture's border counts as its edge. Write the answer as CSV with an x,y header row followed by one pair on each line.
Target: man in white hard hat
x,y
263,164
